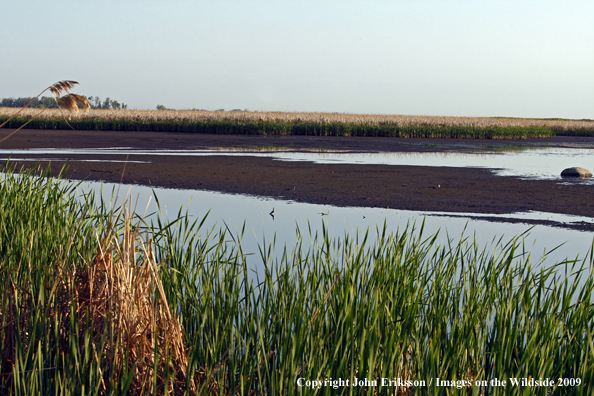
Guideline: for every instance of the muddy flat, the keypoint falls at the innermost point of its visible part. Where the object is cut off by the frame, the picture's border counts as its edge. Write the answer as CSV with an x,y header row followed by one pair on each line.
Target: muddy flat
x,y
420,188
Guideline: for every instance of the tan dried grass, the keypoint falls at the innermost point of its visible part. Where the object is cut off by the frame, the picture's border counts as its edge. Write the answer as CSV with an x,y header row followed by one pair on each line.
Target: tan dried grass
x,y
60,86
70,102
120,294
295,117
67,103
119,301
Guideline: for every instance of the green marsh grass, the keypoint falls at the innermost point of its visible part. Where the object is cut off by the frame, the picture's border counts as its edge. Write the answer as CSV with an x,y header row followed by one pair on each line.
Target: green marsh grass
x,y
398,305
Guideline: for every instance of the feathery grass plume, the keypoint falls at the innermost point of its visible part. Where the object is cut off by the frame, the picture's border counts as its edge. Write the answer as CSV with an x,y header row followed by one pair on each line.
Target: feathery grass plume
x,y
70,102
82,101
56,90
67,103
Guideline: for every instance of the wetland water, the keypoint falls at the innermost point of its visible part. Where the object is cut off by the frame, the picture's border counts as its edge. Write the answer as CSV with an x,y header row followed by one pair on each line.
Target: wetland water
x,y
235,211
533,163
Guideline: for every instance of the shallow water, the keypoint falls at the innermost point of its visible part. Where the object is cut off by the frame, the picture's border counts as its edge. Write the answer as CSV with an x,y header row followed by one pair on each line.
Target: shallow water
x,y
71,160
535,163
235,211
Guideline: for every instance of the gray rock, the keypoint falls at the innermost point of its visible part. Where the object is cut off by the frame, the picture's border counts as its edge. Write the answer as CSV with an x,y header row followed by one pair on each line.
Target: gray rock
x,y
576,172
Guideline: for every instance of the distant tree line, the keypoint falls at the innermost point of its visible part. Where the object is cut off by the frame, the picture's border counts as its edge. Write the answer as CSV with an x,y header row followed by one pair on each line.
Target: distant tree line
x,y
40,103
49,102
96,103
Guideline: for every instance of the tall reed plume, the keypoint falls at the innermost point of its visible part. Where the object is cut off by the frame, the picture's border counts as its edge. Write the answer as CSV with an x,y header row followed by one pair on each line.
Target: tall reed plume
x,y
68,102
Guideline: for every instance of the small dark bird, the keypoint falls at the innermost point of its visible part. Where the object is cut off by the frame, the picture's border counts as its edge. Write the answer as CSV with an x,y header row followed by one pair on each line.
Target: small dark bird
x,y
272,213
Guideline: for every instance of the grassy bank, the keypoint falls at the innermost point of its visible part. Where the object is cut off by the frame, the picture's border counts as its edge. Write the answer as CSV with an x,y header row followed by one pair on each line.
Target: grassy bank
x,y
310,124
401,307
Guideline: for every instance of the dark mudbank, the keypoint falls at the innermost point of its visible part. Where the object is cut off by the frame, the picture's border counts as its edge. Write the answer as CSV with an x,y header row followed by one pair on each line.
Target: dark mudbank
x,y
400,187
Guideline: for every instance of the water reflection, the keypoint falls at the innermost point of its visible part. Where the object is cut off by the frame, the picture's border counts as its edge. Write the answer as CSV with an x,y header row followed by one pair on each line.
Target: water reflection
x,y
237,211
57,159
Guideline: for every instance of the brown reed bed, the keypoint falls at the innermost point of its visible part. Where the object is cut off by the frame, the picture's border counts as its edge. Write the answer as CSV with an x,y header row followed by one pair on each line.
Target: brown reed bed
x,y
309,124
83,298
123,298
113,310
297,117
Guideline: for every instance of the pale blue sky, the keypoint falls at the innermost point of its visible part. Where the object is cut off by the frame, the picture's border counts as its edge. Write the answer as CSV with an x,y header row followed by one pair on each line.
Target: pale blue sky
x,y
420,57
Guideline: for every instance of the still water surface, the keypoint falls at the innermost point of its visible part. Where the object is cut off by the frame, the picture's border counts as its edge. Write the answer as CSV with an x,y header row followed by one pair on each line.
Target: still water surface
x,y
533,163
235,211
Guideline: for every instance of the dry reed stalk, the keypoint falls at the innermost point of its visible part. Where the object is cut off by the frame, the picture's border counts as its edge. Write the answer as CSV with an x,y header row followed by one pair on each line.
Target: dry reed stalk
x,y
117,299
121,296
